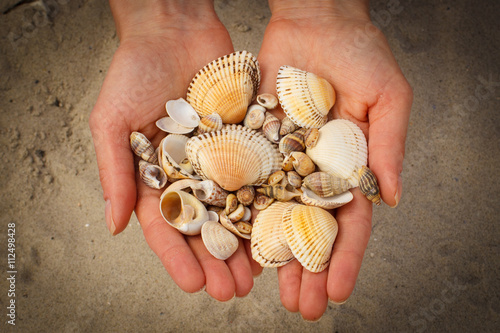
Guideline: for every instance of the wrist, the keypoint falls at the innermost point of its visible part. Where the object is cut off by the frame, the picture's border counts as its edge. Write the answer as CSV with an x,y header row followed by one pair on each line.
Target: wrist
x,y
152,17
317,9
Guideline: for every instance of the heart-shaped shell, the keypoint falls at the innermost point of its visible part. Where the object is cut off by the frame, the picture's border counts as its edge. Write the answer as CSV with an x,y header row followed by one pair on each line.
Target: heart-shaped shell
x,y
268,242
171,154
305,97
233,157
220,242
341,150
183,211
310,233
226,86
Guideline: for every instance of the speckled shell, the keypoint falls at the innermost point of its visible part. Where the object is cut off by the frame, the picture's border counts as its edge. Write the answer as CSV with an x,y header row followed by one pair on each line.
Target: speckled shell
x,y
227,86
233,157
142,147
368,185
309,198
183,211
152,175
311,137
218,240
305,97
276,177
310,233
341,150
325,185
171,153
209,192
210,123
268,242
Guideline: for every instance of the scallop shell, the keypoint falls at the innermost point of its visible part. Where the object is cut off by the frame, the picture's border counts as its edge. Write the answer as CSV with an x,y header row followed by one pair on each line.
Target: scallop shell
x,y
210,193
172,153
210,123
269,101
227,86
218,240
183,211
271,128
182,113
142,147
245,195
325,185
255,116
268,242
310,233
341,150
233,157
152,175
305,97
368,185
309,198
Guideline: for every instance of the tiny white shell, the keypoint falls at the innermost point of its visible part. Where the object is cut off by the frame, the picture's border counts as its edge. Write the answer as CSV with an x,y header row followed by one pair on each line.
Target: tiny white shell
x,y
182,112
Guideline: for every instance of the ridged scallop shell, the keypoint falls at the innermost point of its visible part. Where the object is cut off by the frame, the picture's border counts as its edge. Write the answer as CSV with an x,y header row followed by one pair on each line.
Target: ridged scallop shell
x,y
210,123
172,152
152,175
218,240
233,157
325,185
310,233
142,147
309,198
368,185
341,150
209,192
227,86
268,241
305,97
183,211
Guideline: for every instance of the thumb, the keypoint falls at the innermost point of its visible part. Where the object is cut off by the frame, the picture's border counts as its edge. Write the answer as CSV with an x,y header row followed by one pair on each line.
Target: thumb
x,y
387,134
116,167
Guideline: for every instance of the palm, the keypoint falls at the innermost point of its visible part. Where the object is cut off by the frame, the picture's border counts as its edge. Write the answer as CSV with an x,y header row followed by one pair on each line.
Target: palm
x,y
368,84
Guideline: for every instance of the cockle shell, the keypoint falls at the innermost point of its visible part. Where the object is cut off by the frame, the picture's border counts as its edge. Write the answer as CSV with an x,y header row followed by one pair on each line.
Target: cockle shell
x,y
152,175
255,116
325,185
210,123
172,153
182,113
167,124
233,157
287,126
291,142
268,242
227,86
269,101
368,185
183,211
341,150
271,128
142,147
246,194
218,240
210,192
309,198
302,163
279,192
305,97
310,233
228,224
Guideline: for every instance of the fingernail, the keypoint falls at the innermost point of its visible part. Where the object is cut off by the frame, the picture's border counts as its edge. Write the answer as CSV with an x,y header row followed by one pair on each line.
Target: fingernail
x,y
399,190
337,303
109,218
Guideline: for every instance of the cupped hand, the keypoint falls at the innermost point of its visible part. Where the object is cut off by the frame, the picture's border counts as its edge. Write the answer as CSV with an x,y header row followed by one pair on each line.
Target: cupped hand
x,y
159,53
340,44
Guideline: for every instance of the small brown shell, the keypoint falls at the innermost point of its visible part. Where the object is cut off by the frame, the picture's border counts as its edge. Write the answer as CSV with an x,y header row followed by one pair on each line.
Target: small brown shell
x,y
325,185
294,179
142,147
287,126
279,193
311,137
291,142
276,177
287,164
302,163
368,185
152,175
246,194
231,203
271,128
269,101
243,227
262,201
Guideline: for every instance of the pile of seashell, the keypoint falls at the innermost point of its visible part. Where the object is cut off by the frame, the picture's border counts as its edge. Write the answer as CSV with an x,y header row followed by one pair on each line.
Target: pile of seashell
x,y
292,170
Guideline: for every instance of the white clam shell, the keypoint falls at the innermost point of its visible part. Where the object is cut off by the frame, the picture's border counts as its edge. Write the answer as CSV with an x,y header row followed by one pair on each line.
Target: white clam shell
x,y
233,157
268,242
227,86
305,97
168,125
341,150
172,152
310,233
183,211
220,242
309,198
182,112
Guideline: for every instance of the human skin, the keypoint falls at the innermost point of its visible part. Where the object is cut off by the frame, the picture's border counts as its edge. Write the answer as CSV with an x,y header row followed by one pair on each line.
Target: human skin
x,y
162,46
